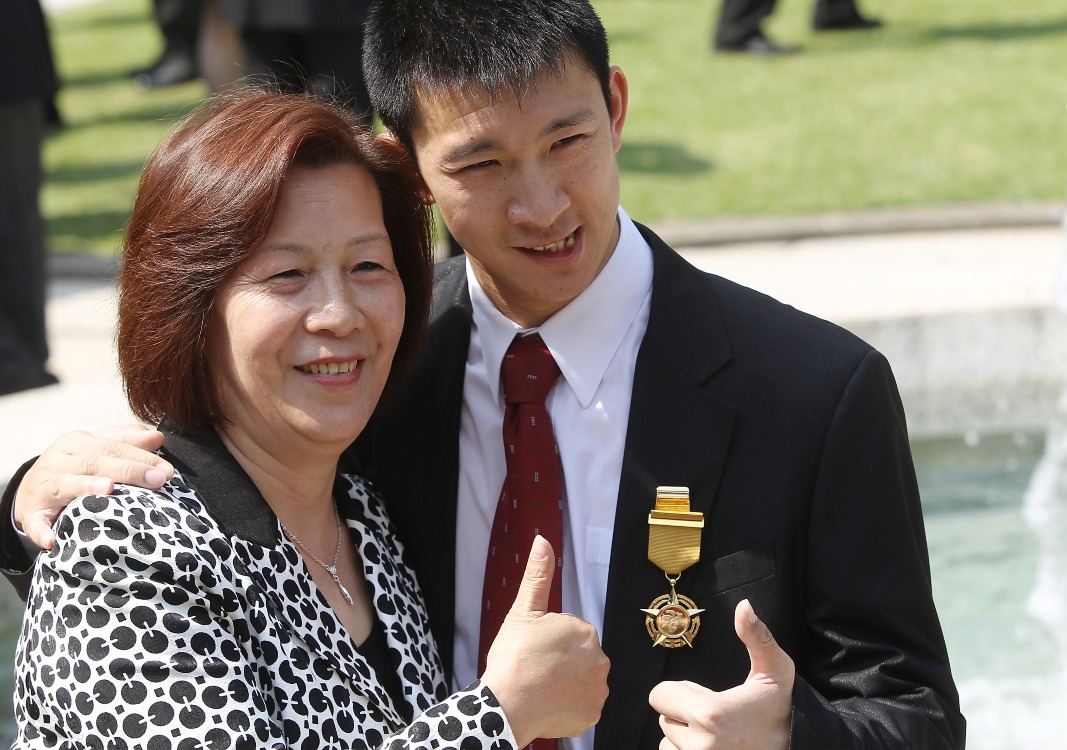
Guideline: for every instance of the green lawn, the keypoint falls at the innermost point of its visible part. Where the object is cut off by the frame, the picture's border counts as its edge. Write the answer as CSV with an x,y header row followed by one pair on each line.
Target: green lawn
x,y
951,102
110,126
954,101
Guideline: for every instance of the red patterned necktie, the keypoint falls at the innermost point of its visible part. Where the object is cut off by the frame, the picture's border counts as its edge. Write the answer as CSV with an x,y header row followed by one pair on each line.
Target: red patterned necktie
x,y
531,501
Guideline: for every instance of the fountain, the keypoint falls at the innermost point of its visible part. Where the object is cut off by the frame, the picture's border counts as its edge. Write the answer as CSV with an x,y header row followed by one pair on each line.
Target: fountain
x,y
1020,697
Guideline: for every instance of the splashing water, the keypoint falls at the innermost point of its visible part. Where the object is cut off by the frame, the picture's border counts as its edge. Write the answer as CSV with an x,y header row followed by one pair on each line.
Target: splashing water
x,y
1029,712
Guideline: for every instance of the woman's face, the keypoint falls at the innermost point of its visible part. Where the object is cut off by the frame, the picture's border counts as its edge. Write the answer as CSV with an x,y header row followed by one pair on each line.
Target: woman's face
x,y
303,336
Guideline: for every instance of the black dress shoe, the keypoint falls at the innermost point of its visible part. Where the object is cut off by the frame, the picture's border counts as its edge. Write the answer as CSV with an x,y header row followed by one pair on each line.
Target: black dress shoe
x,y
848,23
16,381
758,46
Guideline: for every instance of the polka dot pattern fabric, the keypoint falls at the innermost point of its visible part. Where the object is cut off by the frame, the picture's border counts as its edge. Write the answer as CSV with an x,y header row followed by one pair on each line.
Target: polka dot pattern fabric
x,y
148,626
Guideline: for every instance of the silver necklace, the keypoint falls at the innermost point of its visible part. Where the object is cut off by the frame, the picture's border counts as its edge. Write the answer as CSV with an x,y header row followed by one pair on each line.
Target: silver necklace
x,y
331,569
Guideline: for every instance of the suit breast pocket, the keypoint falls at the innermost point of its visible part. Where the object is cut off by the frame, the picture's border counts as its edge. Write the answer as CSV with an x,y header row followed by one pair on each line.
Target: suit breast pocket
x,y
737,569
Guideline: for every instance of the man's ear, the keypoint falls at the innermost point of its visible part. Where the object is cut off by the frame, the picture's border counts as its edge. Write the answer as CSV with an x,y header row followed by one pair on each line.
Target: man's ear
x,y
620,99
387,137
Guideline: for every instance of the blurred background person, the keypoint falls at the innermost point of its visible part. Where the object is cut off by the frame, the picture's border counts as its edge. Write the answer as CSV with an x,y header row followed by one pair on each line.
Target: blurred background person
x,y
179,25
738,29
312,45
26,93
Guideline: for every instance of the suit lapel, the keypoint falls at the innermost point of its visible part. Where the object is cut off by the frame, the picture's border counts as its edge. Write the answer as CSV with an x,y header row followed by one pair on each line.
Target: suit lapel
x,y
425,424
677,434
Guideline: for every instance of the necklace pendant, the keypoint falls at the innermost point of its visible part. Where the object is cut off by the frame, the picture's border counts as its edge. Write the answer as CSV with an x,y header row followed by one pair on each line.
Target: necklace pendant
x,y
331,569
344,591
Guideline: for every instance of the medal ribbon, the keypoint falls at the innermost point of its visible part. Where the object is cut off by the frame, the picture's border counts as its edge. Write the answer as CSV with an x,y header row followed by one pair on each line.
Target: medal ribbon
x,y
674,531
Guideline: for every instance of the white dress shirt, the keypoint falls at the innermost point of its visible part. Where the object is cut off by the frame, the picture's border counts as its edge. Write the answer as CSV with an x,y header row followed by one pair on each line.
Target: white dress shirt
x,y
594,340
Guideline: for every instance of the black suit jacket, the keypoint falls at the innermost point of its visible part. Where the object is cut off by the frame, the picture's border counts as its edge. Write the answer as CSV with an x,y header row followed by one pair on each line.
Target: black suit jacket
x,y
790,434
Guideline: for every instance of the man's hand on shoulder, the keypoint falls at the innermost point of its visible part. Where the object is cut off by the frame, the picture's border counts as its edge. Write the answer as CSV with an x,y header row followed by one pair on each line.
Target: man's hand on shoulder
x,y
83,463
755,714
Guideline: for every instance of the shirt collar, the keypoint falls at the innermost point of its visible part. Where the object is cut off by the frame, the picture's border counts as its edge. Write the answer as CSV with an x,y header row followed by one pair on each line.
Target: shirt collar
x,y
584,336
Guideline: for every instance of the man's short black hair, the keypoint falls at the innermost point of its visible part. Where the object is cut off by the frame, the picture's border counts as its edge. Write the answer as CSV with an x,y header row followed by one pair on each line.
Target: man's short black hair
x,y
503,45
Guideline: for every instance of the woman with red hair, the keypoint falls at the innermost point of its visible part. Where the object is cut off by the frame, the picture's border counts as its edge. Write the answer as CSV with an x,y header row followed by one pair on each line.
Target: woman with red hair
x,y
275,284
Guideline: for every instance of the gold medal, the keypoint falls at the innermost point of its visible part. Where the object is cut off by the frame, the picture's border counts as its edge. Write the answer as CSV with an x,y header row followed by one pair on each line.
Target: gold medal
x,y
673,545
672,620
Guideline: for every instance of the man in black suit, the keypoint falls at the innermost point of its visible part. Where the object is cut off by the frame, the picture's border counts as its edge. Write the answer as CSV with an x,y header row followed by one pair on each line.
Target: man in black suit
x,y
26,91
786,429
739,29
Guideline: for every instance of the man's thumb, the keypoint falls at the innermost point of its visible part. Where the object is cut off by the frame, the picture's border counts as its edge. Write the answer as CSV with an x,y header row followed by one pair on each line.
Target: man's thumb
x,y
769,661
537,580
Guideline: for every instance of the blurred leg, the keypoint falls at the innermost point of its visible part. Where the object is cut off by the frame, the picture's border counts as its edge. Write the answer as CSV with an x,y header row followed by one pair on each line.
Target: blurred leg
x,y
334,62
23,342
841,14
739,21
271,55
179,24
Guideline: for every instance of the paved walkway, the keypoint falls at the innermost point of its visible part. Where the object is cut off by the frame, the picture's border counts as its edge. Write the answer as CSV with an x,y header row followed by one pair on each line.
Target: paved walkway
x,y
58,6
942,305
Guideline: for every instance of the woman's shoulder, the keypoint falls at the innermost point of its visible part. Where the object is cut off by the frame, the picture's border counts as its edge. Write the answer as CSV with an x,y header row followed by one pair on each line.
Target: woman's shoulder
x,y
172,514
138,541
175,498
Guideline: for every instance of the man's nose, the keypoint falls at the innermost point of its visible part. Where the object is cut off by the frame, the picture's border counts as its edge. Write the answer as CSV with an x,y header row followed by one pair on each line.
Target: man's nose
x,y
537,198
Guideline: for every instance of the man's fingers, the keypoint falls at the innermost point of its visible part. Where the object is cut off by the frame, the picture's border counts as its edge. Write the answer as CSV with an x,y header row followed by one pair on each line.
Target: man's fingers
x,y
671,699
769,661
38,528
676,702
48,500
138,435
536,584
93,472
126,458
83,463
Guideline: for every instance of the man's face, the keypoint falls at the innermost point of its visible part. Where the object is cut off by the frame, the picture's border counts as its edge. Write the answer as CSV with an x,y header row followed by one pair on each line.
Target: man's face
x,y
529,187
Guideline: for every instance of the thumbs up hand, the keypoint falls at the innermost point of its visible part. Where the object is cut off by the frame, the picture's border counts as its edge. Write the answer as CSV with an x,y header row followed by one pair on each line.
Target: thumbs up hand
x,y
546,669
755,714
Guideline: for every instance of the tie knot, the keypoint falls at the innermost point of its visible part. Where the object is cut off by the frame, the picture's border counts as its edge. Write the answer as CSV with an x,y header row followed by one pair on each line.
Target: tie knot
x,y
528,371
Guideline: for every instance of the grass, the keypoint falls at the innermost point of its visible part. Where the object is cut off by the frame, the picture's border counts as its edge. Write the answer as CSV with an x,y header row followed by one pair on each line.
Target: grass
x,y
951,102
958,101
93,162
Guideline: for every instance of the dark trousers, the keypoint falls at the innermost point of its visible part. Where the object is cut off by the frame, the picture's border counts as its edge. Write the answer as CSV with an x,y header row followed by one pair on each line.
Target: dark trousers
x,y
739,20
23,343
179,23
328,63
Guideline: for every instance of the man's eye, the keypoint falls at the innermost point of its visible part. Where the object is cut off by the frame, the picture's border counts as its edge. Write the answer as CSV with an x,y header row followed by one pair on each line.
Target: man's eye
x,y
569,139
480,165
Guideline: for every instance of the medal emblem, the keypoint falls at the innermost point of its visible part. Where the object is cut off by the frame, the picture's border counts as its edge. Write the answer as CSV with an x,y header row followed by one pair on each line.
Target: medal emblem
x,y
674,533
672,620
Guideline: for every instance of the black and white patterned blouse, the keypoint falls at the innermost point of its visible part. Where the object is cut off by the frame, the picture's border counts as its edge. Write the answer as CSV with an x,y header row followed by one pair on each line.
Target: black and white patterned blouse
x,y
183,618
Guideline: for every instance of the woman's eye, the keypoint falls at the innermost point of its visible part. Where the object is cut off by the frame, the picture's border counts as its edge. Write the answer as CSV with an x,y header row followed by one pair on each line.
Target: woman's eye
x,y
291,273
367,265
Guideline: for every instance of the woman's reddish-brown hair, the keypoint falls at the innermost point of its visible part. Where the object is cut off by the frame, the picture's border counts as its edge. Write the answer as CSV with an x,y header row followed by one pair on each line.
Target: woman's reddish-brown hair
x,y
207,198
